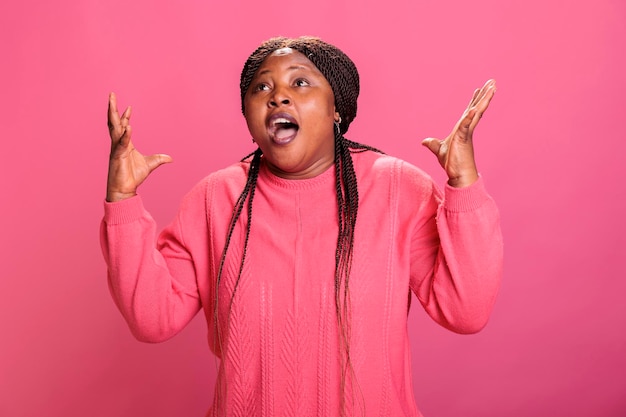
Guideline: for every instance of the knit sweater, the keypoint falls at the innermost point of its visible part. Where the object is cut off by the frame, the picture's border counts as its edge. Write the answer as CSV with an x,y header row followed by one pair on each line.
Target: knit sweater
x,y
282,355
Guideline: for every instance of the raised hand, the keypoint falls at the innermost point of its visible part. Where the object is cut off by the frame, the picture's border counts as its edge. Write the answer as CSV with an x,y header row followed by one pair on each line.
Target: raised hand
x,y
456,152
128,168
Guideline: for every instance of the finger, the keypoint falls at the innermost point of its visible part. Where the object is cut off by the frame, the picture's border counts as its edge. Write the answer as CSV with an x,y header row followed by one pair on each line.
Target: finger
x,y
486,90
122,145
156,160
125,119
474,99
463,130
113,117
116,128
433,144
490,83
480,93
482,105
125,138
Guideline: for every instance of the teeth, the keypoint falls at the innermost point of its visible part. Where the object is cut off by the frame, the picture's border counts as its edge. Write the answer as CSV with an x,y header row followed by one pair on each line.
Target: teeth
x,y
281,121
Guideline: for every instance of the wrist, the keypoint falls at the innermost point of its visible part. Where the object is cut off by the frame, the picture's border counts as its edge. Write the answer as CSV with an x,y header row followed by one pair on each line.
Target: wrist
x,y
115,196
463,180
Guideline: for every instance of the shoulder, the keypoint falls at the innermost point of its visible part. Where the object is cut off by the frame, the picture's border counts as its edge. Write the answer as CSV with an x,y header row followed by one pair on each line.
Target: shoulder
x,y
234,175
221,183
380,168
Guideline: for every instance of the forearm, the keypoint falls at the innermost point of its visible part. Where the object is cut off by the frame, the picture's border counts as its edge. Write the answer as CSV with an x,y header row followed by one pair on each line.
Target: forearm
x,y
461,290
142,281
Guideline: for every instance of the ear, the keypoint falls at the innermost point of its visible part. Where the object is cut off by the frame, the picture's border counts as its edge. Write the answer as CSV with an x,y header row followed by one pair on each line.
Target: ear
x,y
337,117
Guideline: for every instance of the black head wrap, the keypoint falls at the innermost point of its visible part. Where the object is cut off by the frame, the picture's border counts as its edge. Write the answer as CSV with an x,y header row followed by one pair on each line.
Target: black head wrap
x,y
336,67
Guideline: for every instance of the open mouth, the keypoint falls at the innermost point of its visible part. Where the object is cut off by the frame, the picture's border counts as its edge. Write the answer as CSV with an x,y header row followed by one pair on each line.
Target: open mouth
x,y
282,128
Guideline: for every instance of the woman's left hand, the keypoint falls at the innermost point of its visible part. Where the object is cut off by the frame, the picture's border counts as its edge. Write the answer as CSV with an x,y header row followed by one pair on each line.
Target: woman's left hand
x,y
456,152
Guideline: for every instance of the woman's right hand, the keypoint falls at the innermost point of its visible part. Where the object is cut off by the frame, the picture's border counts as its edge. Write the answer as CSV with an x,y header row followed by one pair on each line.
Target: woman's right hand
x,y
128,168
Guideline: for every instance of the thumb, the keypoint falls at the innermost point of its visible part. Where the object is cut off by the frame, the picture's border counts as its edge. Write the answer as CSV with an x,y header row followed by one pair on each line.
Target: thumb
x,y
156,160
433,144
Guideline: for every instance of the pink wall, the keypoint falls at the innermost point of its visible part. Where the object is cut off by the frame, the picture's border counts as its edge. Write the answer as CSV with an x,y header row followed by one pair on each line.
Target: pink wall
x,y
551,149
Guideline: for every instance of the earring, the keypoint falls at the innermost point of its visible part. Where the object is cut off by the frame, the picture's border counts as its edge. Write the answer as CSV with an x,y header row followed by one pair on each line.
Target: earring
x,y
338,126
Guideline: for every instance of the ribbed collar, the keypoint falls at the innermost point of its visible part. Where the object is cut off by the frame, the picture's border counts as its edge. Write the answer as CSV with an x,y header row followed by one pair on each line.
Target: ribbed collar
x,y
323,180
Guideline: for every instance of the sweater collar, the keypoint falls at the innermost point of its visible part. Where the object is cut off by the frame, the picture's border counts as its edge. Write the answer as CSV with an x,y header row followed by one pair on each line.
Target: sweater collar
x,y
324,179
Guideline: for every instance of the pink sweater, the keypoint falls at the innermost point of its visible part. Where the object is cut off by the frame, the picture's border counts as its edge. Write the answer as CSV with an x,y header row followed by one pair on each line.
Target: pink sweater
x,y
283,356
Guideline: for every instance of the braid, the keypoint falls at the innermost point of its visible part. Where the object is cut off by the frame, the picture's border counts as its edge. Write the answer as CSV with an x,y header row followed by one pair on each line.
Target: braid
x,y
246,194
249,188
348,206
343,78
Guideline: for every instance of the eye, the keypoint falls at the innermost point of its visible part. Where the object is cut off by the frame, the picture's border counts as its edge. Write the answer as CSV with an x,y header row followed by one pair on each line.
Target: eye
x,y
301,82
261,87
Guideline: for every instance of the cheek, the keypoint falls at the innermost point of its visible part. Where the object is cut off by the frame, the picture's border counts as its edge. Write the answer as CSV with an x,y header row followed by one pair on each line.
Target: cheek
x,y
324,111
254,119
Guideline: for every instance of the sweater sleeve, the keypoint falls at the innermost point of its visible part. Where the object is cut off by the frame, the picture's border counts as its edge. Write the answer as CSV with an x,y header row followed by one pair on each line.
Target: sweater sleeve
x,y
153,283
457,257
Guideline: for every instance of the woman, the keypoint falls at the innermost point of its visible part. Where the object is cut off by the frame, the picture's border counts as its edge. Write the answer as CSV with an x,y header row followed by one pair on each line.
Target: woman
x,y
303,255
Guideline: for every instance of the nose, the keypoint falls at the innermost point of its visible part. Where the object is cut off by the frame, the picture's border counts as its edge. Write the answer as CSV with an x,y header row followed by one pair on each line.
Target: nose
x,y
280,97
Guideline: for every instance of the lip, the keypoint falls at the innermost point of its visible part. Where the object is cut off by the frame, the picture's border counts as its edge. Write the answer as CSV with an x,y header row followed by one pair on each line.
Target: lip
x,y
272,128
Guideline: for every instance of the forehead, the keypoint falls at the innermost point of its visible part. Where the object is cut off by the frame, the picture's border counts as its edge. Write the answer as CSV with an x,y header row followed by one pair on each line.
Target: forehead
x,y
286,59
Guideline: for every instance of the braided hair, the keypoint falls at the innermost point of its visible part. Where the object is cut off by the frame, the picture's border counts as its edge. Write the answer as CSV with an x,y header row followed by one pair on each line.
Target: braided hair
x,y
343,77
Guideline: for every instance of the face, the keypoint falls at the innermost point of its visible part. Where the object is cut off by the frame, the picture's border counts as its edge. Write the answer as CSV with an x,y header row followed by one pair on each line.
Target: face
x,y
290,112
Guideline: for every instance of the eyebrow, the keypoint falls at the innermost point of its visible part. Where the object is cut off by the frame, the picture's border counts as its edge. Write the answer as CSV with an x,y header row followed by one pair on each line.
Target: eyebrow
x,y
291,68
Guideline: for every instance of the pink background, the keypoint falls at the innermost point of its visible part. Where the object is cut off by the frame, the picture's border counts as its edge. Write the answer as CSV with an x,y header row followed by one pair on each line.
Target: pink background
x,y
551,149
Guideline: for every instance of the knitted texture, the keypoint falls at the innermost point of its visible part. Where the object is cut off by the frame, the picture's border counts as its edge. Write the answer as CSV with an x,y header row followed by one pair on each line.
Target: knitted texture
x,y
282,356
